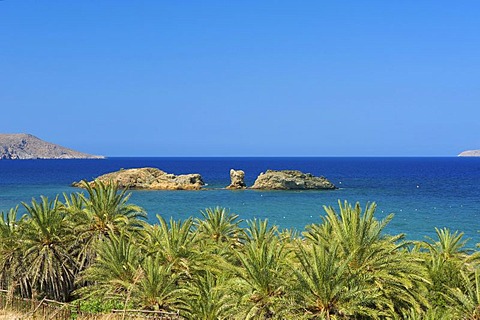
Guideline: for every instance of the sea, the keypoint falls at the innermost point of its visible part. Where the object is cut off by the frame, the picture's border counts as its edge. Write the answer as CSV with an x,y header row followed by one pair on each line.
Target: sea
x,y
423,193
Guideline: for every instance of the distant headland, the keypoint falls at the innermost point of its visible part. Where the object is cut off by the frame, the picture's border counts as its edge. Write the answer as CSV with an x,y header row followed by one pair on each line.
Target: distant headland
x,y
18,146
470,153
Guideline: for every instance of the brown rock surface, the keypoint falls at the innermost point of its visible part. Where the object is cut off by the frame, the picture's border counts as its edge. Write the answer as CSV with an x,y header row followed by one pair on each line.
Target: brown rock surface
x,y
237,178
290,180
150,178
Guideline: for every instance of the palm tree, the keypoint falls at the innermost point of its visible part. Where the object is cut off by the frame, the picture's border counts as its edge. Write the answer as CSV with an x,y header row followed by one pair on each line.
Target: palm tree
x,y
265,273
11,266
220,226
448,246
48,245
379,259
429,314
175,243
123,273
467,301
114,270
356,233
109,208
327,289
208,297
259,232
73,204
156,288
103,212
445,259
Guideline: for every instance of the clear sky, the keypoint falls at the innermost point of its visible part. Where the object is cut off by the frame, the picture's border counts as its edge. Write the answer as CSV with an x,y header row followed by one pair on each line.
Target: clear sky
x,y
243,78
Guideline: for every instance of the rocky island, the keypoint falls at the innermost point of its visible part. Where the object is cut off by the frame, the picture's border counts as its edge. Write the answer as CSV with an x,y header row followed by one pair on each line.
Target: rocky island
x,y
237,178
150,179
26,146
470,153
291,180
156,179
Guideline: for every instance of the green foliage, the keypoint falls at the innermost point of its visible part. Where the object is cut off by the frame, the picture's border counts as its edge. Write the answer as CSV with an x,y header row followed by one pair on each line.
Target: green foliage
x,y
467,301
175,244
265,273
95,247
11,258
208,298
446,259
220,229
99,305
103,211
156,288
429,314
114,270
327,287
448,246
390,280
48,250
107,210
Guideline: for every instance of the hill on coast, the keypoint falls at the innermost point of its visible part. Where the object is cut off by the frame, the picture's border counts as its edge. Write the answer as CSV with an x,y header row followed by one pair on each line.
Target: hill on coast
x,y
26,146
470,153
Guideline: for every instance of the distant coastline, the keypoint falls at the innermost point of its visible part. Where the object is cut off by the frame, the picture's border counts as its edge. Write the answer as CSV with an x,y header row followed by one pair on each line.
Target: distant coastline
x,y
470,153
22,146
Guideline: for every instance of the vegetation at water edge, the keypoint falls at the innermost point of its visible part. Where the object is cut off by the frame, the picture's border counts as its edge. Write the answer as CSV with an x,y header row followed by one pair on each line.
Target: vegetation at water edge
x,y
96,248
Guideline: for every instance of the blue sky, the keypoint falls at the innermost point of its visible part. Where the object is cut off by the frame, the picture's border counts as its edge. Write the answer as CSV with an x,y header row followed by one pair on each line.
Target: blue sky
x,y
243,78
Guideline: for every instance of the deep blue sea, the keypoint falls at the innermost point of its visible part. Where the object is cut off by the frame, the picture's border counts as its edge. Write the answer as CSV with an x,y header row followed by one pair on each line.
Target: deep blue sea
x,y
423,193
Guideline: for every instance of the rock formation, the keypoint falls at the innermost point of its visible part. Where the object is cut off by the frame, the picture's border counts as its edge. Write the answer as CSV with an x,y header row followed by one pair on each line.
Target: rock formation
x,y
470,153
290,180
25,146
237,178
150,178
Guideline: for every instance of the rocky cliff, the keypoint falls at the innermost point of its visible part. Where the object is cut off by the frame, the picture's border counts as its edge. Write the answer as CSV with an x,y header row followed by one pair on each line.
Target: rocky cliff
x,y
150,178
290,180
26,146
470,153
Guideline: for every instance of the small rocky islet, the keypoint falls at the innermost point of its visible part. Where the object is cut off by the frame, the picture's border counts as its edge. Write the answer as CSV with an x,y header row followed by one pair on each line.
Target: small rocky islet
x,y
149,179
291,180
156,179
237,180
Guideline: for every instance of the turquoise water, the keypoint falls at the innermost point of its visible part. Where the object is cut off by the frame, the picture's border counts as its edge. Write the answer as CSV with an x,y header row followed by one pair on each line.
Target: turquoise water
x,y
422,192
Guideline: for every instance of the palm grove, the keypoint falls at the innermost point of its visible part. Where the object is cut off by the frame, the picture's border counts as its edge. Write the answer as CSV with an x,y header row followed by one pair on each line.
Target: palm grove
x,y
95,247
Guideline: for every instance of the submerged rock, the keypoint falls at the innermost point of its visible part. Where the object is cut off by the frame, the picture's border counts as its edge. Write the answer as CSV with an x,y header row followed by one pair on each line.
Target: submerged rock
x,y
151,179
237,179
291,180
